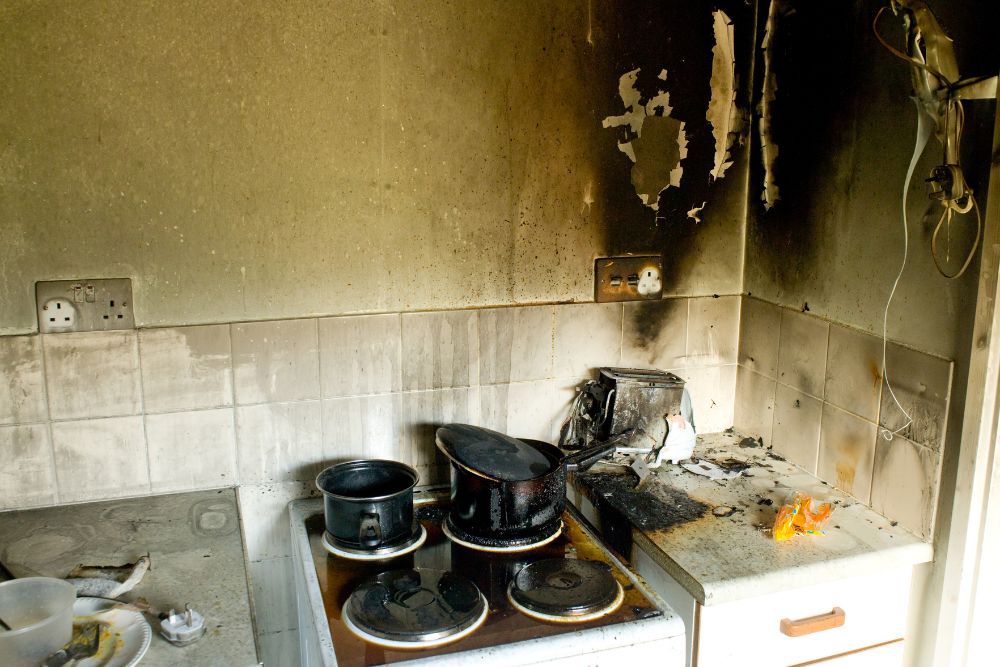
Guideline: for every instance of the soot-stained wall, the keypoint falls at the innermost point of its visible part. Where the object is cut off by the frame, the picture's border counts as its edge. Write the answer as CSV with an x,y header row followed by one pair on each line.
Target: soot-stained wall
x,y
845,129
247,160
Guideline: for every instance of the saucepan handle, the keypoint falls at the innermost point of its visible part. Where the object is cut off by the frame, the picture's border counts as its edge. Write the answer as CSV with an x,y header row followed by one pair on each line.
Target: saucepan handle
x,y
583,459
369,532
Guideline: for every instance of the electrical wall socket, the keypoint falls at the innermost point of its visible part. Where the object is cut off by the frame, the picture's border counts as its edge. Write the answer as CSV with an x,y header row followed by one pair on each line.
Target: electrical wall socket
x,y
628,278
100,304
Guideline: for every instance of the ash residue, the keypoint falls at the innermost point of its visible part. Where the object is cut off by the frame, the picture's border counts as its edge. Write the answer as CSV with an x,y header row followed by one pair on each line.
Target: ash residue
x,y
750,443
651,509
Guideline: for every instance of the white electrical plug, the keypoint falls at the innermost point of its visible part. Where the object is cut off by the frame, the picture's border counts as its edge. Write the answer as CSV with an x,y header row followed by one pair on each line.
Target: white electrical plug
x,y
650,282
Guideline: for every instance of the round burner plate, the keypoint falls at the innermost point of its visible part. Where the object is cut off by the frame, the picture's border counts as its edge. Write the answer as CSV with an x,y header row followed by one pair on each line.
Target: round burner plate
x,y
384,553
459,536
418,608
565,590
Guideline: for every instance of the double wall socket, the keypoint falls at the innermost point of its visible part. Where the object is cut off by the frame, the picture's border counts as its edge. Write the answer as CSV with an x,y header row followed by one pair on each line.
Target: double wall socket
x,y
101,304
628,278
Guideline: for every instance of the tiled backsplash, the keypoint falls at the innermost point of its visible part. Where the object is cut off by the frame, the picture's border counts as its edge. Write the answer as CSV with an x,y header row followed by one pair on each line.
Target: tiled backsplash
x,y
815,391
86,416
265,405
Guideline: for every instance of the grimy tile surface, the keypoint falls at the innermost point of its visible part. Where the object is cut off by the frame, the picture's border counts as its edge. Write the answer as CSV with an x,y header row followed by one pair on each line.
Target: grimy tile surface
x,y
196,550
714,537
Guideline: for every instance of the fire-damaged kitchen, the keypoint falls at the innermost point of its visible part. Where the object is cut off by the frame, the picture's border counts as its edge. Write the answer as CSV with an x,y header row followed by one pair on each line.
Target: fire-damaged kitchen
x,y
577,333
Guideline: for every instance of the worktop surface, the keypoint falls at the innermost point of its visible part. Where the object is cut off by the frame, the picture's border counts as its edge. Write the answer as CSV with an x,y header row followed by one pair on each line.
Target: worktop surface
x,y
714,536
196,552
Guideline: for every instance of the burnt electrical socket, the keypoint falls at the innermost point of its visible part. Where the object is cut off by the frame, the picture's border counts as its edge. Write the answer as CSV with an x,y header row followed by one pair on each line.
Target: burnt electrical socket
x,y
98,304
628,278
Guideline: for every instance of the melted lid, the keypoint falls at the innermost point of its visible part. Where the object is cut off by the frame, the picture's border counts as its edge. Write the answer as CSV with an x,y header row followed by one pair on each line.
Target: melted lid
x,y
496,455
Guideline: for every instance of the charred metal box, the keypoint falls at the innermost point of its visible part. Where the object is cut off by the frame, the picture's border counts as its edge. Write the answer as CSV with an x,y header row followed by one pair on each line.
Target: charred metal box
x,y
637,399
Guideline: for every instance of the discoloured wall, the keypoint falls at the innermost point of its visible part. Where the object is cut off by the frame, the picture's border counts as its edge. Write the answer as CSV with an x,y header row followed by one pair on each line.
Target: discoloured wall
x,y
845,126
252,160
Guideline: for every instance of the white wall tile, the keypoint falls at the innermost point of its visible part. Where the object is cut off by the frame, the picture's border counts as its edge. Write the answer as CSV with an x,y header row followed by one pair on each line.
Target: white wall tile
x,y
713,331
273,592
440,349
797,419
802,349
22,382
360,355
363,427
754,410
713,396
922,384
93,374
654,334
760,323
588,336
853,372
26,475
280,442
515,344
524,410
276,361
191,450
423,413
905,483
846,452
186,368
264,513
100,458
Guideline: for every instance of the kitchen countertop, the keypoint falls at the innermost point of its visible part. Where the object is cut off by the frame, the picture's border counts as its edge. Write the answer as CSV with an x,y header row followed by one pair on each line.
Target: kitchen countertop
x,y
196,553
675,520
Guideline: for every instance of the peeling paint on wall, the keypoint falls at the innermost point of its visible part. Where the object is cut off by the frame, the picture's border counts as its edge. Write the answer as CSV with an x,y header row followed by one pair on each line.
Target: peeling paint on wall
x,y
722,107
654,142
769,149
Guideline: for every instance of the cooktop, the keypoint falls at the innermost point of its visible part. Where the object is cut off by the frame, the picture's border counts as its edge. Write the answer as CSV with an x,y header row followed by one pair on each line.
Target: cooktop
x,y
517,592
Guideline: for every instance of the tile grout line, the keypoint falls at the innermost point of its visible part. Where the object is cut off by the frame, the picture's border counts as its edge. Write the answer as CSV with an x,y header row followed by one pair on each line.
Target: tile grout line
x,y
232,396
322,412
142,411
48,424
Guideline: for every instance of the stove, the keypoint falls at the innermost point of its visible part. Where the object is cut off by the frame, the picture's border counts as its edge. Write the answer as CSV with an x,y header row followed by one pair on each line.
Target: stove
x,y
445,603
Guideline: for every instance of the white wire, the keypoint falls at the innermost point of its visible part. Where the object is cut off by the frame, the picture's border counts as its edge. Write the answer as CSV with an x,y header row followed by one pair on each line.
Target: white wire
x,y
923,133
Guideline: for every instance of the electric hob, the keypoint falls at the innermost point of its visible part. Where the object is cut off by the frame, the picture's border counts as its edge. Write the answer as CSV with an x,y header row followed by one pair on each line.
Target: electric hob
x,y
569,601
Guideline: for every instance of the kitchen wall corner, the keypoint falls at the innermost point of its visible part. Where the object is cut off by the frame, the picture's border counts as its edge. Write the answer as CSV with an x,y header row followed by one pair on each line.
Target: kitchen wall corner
x,y
815,391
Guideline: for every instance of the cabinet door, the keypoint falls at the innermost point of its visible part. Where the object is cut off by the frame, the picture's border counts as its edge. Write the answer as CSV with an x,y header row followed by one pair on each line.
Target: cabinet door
x,y
804,624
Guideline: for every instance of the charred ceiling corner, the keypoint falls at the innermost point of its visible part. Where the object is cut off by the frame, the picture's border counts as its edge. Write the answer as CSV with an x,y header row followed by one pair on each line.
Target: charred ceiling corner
x,y
657,143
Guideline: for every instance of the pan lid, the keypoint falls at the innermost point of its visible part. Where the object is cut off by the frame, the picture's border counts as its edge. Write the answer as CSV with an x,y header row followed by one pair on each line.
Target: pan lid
x,y
495,455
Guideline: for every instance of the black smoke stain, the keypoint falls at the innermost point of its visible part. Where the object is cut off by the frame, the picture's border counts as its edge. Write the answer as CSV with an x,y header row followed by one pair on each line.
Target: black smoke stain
x,y
678,36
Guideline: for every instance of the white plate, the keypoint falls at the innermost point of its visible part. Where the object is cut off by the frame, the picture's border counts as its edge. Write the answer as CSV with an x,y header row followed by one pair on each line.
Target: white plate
x,y
125,634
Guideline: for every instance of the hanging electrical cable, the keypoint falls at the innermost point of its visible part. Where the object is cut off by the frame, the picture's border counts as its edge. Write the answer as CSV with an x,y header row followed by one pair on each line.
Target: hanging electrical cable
x,y
936,85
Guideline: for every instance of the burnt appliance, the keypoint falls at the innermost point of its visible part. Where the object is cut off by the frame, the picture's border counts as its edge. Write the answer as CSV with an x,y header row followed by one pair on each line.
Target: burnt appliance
x,y
631,404
446,603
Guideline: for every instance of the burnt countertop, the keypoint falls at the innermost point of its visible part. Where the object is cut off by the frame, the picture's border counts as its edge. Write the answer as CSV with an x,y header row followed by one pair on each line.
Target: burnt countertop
x,y
196,553
714,536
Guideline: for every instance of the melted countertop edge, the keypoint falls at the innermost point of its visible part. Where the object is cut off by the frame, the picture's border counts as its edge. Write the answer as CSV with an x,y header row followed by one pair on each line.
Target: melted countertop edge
x,y
912,552
665,627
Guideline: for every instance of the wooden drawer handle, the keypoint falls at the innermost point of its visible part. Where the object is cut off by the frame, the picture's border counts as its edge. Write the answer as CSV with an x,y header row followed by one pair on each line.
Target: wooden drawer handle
x,y
807,626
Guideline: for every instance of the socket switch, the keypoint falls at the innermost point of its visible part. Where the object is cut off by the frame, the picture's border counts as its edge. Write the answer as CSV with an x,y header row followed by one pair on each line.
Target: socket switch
x,y
628,278
100,304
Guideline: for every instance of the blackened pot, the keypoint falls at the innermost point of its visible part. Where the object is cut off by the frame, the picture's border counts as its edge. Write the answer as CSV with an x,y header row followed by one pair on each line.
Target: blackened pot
x,y
368,504
505,491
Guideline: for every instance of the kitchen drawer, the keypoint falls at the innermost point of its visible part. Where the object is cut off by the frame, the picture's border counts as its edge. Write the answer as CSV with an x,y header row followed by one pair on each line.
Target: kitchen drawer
x,y
886,655
869,610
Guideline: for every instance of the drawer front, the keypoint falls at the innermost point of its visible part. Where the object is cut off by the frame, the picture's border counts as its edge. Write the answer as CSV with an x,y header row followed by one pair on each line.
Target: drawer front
x,y
886,655
804,624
